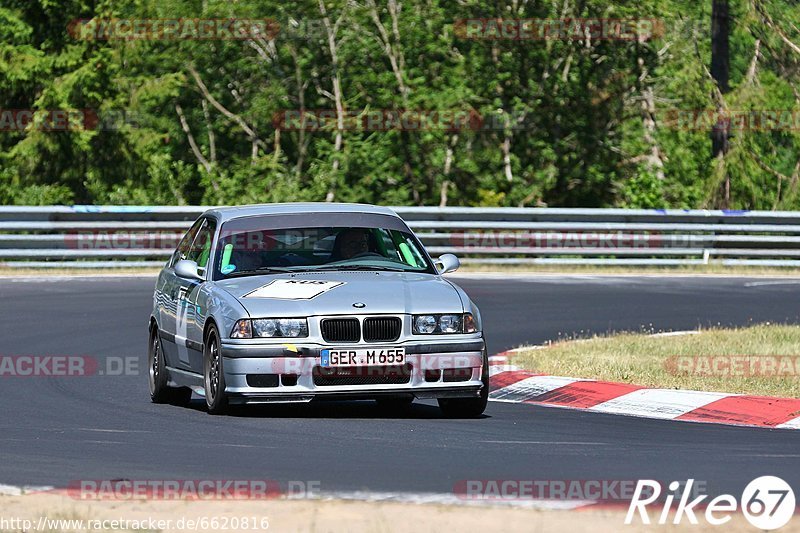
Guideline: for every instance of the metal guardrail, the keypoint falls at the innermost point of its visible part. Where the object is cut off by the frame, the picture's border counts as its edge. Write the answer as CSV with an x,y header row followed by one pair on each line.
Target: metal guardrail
x,y
134,236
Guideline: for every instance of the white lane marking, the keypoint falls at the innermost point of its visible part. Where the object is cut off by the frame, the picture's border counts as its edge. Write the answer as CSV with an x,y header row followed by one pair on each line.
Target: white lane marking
x,y
547,442
50,278
94,430
790,424
765,283
14,490
658,403
541,276
451,499
505,357
531,387
10,490
520,349
246,446
773,455
674,333
499,369
97,430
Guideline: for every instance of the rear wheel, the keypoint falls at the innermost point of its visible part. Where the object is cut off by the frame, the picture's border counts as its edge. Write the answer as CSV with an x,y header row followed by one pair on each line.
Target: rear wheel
x,y
213,374
160,391
469,407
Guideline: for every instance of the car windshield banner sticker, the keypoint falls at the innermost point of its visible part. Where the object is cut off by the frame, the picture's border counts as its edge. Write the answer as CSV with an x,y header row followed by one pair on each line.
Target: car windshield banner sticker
x,y
293,289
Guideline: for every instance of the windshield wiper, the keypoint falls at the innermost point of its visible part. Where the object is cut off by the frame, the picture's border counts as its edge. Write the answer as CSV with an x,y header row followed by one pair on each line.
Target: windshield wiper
x,y
361,267
261,270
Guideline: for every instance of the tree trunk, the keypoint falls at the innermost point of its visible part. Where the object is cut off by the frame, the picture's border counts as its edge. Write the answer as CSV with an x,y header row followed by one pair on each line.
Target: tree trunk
x,y
720,71
333,48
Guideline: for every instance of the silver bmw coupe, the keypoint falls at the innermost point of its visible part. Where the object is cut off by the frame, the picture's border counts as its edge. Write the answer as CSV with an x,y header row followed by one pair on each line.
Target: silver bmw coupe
x,y
300,302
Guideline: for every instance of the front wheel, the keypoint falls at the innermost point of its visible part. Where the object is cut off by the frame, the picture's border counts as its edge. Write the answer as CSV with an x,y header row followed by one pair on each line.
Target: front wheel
x,y
469,407
213,374
160,391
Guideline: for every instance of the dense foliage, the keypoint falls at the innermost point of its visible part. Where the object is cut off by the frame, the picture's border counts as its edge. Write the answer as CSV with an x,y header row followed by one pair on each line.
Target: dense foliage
x,y
564,122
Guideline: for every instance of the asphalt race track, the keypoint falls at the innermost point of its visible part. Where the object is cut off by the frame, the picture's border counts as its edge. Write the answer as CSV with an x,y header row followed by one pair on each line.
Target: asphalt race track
x,y
56,430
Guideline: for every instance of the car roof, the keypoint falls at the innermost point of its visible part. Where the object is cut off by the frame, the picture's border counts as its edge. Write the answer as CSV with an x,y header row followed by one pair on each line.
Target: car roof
x,y
227,213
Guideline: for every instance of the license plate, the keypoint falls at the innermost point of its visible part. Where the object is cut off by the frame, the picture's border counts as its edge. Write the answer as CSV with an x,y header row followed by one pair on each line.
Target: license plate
x,y
362,357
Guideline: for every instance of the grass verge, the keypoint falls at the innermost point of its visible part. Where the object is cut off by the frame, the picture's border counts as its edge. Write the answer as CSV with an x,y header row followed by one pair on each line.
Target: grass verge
x,y
762,359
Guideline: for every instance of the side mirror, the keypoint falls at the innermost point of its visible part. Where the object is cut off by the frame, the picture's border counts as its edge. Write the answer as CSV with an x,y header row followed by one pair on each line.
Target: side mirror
x,y
187,269
447,263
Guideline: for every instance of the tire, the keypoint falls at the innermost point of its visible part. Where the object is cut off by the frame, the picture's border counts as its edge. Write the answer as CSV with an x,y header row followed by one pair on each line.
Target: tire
x,y
213,374
469,407
160,391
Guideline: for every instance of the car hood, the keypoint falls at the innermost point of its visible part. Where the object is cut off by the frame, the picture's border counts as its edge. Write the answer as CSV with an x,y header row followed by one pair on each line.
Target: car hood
x,y
379,292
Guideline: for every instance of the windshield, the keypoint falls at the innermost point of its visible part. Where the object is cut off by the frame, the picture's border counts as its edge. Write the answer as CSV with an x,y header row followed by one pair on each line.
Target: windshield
x,y
243,252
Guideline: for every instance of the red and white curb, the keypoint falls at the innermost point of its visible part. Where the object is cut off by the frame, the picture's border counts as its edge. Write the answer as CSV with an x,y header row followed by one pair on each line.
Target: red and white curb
x,y
509,383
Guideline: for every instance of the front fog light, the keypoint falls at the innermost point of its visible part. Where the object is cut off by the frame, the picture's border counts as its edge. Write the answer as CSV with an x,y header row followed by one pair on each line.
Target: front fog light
x,y
450,323
425,324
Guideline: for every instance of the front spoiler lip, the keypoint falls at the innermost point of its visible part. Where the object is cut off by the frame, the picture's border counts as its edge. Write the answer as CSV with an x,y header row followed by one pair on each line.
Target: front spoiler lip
x,y
419,393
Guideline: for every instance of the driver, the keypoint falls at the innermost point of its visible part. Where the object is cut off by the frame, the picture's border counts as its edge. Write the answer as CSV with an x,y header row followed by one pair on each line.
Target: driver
x,y
350,243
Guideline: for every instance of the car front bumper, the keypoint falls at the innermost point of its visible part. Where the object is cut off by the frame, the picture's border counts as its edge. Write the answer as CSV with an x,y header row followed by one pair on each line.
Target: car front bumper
x,y
292,373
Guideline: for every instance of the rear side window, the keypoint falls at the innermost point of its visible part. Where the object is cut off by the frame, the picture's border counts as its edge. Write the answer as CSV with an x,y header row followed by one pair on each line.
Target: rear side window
x,y
200,250
186,242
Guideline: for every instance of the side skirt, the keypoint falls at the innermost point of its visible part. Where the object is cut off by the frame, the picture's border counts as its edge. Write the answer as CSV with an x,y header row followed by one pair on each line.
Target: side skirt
x,y
184,378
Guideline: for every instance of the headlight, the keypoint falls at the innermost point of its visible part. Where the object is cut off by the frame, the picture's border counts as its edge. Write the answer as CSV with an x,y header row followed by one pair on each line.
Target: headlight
x,y
424,324
450,323
270,328
444,324
293,327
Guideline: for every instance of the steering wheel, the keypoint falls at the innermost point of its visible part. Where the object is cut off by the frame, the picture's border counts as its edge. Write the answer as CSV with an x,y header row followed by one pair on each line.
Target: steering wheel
x,y
366,254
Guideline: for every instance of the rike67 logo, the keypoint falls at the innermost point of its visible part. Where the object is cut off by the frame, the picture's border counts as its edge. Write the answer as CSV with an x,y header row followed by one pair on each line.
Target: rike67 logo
x,y
767,503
